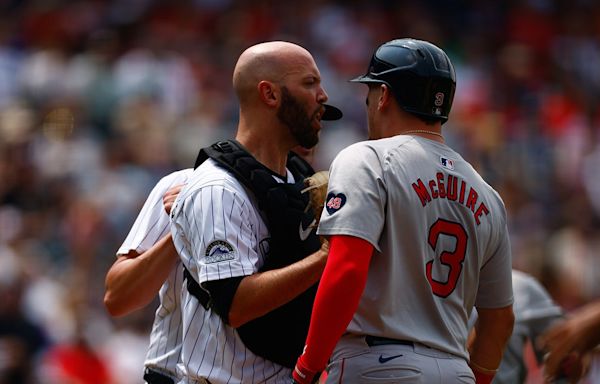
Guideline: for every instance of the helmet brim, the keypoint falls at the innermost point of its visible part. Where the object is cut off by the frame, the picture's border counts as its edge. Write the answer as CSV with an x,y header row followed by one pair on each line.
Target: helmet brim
x,y
331,113
362,79
365,79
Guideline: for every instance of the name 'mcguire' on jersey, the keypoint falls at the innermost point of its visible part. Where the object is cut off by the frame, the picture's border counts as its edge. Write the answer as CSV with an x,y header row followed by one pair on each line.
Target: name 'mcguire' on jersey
x,y
446,187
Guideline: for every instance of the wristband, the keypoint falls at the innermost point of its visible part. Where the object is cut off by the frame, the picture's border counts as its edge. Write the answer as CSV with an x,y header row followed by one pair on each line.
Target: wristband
x,y
483,378
482,375
303,375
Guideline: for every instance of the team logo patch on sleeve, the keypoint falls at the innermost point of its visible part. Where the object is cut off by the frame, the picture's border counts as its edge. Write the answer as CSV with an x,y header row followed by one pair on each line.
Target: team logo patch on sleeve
x,y
218,251
335,202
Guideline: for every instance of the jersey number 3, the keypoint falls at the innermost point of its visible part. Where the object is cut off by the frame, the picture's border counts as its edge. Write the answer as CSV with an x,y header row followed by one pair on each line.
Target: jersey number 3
x,y
453,260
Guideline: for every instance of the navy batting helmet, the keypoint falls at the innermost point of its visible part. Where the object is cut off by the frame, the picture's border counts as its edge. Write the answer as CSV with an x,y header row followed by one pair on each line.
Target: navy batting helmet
x,y
419,74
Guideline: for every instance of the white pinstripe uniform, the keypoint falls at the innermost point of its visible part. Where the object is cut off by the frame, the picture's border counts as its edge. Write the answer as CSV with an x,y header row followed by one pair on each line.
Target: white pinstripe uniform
x,y
219,233
151,225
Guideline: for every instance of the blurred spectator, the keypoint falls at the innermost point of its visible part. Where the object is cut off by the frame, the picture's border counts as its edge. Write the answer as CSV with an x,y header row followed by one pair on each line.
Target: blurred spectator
x,y
21,340
73,363
99,99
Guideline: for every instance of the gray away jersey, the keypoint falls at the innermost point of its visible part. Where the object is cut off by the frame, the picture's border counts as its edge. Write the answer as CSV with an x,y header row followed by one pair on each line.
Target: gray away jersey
x,y
219,233
439,232
534,312
151,225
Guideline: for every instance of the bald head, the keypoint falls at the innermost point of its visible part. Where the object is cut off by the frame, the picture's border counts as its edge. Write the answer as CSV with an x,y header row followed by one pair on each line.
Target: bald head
x,y
271,61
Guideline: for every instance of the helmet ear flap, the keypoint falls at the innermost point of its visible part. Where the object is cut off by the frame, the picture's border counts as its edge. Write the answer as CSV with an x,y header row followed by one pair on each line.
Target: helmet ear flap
x,y
420,75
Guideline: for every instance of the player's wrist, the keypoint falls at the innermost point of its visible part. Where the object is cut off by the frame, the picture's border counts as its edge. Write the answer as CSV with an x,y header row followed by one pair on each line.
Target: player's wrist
x,y
483,378
482,375
303,375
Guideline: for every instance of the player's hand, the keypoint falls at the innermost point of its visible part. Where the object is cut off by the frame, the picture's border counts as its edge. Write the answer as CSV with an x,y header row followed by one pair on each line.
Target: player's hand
x,y
170,196
572,368
564,358
569,343
303,375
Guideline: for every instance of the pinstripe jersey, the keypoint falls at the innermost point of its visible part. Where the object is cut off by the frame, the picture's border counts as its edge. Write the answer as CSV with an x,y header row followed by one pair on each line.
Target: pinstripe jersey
x,y
440,235
151,225
219,233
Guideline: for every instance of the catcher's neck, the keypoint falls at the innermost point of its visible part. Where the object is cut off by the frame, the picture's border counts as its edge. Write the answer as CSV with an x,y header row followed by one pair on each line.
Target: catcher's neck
x,y
271,153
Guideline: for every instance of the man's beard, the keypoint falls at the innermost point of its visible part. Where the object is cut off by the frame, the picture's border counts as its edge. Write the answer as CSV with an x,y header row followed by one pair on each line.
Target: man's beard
x,y
292,114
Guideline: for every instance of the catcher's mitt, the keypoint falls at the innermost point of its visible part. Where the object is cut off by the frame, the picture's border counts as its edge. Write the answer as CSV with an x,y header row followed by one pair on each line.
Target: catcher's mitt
x,y
316,186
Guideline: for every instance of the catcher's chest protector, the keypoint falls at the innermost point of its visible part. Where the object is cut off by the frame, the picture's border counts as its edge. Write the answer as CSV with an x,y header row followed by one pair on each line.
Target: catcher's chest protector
x,y
279,335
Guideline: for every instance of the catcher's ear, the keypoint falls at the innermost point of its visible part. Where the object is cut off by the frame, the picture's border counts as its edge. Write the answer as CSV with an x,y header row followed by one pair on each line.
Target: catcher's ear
x,y
268,93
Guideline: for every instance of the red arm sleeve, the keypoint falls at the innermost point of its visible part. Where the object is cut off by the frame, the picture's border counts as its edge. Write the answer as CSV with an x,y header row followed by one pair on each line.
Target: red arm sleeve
x,y
340,289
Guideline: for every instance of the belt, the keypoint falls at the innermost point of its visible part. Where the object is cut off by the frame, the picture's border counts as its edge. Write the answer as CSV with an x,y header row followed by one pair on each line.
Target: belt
x,y
373,341
153,377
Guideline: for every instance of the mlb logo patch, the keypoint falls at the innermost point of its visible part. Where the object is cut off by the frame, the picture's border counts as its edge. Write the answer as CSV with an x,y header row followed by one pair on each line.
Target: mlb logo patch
x,y
447,163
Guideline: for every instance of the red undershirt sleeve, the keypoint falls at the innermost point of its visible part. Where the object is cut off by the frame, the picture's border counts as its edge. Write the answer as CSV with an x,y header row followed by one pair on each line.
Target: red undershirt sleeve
x,y
340,289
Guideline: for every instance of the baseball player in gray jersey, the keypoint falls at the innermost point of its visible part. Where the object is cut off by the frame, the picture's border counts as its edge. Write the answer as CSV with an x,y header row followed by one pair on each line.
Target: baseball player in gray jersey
x,y
417,239
220,233
535,311
147,264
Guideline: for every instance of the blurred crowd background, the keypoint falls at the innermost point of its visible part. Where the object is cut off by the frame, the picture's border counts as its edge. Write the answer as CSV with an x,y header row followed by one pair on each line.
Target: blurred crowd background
x,y
101,98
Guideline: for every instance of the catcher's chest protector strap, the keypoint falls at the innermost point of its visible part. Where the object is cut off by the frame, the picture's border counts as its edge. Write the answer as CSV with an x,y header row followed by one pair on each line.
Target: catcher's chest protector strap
x,y
194,288
255,176
278,336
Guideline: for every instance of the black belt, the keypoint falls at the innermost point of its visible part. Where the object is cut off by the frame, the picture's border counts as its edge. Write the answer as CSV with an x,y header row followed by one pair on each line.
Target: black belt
x,y
153,377
373,341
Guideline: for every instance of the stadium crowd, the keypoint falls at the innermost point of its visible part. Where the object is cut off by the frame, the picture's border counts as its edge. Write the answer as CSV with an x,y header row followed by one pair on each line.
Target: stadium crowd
x,y
99,99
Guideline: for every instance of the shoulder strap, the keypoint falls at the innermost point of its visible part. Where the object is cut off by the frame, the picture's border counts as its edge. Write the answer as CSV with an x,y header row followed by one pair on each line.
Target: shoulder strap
x,y
295,163
255,176
299,167
230,153
194,288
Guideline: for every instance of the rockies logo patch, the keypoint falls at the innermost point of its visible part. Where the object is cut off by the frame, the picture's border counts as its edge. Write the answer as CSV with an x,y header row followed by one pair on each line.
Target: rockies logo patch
x,y
217,251
335,202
